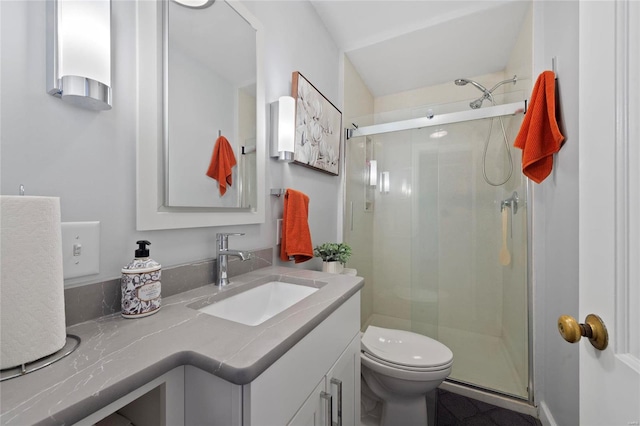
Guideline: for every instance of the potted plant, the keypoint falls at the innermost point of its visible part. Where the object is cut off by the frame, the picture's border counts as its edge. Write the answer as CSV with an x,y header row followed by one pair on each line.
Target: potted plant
x,y
334,256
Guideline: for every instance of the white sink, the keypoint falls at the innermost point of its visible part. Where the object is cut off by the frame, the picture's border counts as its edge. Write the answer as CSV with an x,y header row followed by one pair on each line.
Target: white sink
x,y
255,306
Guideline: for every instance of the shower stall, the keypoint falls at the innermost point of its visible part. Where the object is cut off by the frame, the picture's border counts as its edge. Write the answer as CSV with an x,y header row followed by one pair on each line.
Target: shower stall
x,y
438,226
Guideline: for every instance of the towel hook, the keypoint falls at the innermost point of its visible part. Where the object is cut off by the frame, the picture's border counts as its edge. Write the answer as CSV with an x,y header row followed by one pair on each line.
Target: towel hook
x,y
219,132
277,192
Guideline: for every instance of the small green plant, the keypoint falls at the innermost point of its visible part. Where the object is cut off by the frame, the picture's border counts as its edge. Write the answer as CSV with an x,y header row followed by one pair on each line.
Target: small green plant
x,y
333,252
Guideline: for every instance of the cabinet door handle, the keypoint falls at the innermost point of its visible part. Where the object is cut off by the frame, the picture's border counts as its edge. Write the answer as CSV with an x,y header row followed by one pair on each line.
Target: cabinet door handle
x,y
329,407
338,383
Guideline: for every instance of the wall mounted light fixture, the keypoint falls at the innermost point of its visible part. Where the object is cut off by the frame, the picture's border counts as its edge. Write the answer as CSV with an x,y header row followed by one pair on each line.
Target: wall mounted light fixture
x,y
195,4
79,52
283,122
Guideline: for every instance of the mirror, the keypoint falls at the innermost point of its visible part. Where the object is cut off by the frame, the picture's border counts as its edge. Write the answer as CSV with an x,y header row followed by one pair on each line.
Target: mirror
x,y
210,74
199,76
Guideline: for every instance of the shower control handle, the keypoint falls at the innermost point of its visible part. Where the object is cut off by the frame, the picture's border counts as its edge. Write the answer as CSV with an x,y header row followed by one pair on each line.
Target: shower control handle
x,y
593,328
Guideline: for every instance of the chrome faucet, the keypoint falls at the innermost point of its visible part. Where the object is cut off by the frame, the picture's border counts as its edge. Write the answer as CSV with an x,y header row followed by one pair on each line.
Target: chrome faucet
x,y
223,257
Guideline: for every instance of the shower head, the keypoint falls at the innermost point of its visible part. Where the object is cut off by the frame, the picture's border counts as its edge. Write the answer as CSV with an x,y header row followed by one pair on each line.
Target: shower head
x,y
464,82
477,103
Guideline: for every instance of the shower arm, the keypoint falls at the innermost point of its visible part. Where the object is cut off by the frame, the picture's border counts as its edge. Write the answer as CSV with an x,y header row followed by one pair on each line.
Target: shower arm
x,y
510,80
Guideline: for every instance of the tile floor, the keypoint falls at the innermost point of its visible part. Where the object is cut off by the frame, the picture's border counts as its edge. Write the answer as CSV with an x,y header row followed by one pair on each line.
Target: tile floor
x,y
457,410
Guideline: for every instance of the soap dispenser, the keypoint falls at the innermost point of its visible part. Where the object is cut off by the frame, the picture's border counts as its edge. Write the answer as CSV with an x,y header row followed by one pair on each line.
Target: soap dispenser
x,y
141,284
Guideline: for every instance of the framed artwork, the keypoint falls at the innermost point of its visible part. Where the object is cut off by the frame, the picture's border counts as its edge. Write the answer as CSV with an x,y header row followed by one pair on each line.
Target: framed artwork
x,y
318,128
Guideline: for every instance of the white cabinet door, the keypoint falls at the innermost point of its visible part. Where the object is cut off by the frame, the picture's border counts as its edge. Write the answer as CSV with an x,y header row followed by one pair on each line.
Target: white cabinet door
x,y
314,411
343,384
338,391
275,397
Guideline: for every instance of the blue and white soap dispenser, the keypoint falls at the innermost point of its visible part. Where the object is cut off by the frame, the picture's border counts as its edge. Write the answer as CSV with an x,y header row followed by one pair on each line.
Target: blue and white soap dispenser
x,y
141,284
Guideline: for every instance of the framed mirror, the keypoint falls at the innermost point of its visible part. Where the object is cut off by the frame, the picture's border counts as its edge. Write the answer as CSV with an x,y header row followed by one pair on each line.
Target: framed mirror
x,y
199,77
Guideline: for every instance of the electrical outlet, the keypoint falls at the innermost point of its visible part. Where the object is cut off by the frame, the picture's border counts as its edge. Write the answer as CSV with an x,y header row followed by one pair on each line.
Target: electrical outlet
x,y
80,249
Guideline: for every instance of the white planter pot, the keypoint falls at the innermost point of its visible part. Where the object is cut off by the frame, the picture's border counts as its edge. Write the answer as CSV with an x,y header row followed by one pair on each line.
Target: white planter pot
x,y
332,267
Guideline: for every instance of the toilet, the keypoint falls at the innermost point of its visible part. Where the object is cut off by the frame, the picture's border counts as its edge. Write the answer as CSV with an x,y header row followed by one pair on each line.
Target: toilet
x,y
400,367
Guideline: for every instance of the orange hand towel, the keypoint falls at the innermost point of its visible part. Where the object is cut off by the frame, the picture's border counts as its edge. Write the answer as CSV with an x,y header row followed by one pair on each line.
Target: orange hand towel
x,y
222,161
296,237
539,136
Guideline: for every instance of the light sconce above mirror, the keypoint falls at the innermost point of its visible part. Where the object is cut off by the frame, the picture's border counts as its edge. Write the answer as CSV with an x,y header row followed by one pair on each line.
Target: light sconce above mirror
x,y
195,4
283,114
79,52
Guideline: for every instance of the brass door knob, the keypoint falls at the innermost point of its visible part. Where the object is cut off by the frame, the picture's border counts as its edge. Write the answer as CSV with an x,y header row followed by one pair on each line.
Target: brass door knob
x,y
593,328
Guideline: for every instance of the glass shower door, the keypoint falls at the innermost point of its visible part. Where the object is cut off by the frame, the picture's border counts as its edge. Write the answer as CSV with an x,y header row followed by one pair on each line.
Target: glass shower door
x,y
461,293
427,233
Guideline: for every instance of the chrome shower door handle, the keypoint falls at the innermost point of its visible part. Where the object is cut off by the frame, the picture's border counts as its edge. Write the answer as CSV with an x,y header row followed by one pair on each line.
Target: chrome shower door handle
x,y
338,384
328,407
351,226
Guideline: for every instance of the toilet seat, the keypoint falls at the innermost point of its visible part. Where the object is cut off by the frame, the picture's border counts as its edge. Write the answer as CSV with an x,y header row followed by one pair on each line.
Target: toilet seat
x,y
390,370
405,350
405,367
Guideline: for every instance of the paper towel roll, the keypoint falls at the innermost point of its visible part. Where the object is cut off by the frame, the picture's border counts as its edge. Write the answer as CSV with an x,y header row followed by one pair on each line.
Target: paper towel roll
x,y
31,280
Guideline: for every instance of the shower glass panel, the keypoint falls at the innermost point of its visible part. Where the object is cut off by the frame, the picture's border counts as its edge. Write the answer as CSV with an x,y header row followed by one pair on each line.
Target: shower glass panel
x,y
429,240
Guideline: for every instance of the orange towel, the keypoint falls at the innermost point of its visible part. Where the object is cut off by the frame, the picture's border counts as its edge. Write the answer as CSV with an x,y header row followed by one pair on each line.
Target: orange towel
x,y
296,237
539,136
222,161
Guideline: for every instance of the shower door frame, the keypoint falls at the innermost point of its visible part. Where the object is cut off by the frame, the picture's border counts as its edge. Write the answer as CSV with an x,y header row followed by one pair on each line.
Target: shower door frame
x,y
440,119
458,117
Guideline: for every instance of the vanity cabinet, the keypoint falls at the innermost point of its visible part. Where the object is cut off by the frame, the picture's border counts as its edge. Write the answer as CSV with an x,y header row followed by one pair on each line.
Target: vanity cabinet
x,y
289,391
295,390
284,392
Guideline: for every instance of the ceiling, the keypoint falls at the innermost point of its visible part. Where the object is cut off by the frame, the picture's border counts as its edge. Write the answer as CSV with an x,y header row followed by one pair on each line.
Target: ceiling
x,y
399,45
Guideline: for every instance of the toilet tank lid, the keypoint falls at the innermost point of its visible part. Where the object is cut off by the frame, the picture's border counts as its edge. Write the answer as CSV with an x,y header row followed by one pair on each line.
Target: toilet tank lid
x,y
405,347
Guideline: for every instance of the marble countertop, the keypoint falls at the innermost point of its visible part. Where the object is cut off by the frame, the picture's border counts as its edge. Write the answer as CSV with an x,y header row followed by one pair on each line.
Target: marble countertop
x,y
119,355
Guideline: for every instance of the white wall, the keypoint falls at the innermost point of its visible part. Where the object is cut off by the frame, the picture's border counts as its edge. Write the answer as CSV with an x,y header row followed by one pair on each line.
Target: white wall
x,y
88,159
555,230
296,40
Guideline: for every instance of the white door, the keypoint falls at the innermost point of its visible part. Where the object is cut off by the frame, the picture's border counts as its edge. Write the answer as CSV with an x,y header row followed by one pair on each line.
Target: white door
x,y
609,209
